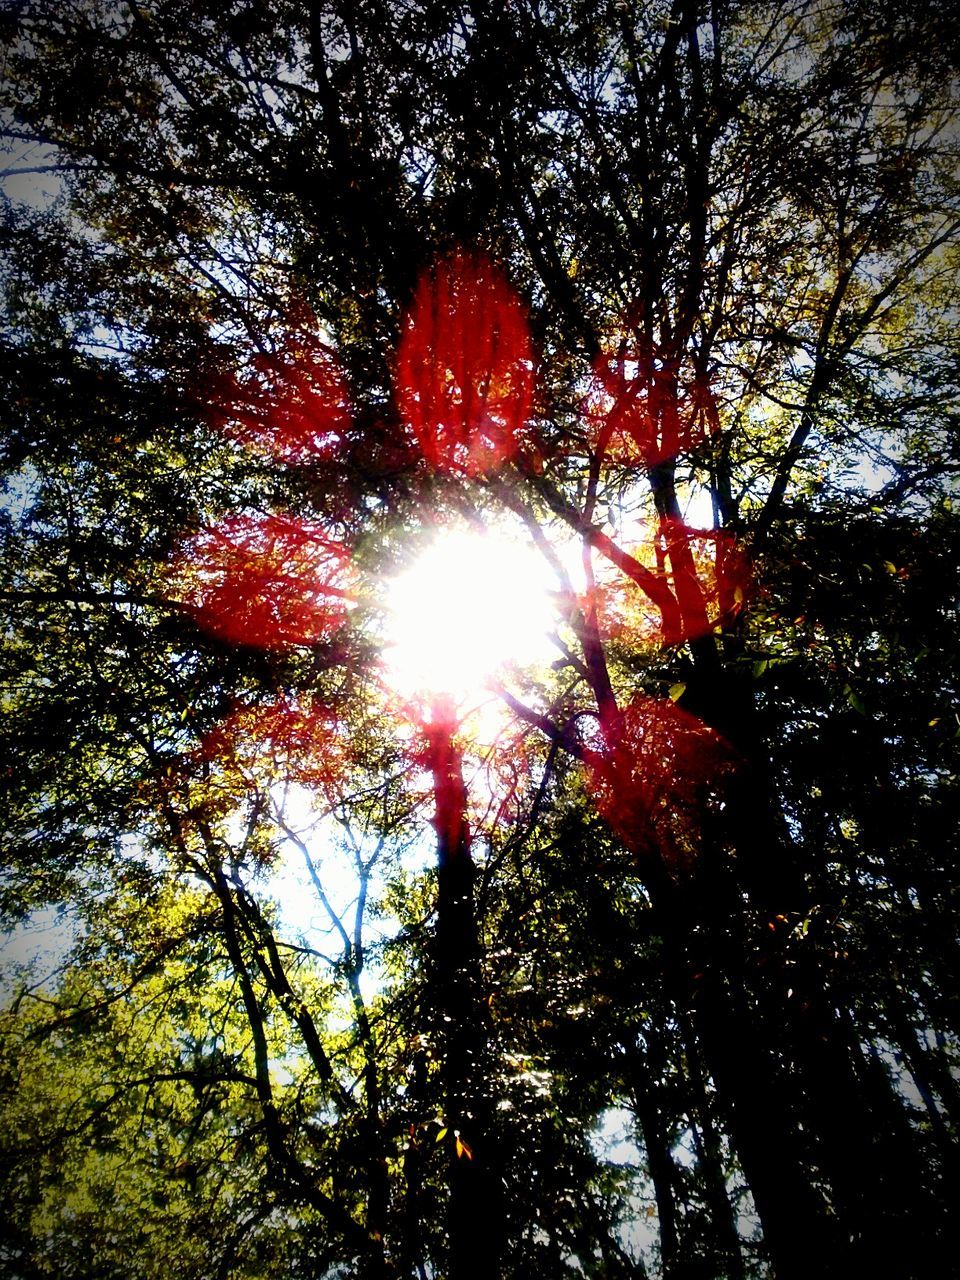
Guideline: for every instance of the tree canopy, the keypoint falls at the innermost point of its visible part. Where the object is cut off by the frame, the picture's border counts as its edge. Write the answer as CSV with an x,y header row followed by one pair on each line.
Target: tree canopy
x,y
648,966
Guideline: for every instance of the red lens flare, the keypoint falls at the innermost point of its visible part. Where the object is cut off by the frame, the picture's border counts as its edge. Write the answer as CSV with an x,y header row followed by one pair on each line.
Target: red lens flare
x,y
639,414
653,777
680,583
291,403
443,756
709,575
465,367
266,581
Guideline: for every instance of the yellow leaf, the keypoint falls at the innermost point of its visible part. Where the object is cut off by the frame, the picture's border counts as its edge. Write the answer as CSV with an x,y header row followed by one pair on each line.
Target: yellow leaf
x,y
677,691
442,1134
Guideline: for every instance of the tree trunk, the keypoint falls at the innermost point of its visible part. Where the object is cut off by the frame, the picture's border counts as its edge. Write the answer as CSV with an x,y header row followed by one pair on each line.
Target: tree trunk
x,y
705,970
475,1210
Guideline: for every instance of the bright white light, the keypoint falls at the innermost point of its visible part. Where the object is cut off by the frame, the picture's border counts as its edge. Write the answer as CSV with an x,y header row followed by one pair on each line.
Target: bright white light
x,y
698,509
472,605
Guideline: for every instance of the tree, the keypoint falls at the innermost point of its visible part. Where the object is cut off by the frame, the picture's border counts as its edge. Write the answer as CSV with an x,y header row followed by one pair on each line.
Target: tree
x,y
318,276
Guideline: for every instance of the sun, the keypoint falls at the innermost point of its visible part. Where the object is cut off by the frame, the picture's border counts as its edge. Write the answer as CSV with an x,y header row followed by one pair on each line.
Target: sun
x,y
470,607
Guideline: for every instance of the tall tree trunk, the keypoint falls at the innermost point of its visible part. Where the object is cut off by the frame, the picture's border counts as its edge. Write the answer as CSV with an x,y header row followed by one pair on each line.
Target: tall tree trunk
x,y
653,1127
729,1256
705,969
475,1211
779,996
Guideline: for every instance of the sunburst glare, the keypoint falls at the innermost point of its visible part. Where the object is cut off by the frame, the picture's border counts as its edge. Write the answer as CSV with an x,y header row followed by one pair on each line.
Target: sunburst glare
x,y
471,605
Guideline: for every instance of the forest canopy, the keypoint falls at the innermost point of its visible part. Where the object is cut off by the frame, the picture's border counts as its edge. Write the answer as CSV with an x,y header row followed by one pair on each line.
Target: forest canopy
x,y
480,558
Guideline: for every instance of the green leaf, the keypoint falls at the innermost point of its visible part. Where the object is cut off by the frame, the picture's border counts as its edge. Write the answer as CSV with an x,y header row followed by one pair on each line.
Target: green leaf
x,y
855,700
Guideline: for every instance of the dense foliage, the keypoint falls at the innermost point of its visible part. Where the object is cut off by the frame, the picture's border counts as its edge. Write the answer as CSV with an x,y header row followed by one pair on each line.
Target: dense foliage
x,y
657,979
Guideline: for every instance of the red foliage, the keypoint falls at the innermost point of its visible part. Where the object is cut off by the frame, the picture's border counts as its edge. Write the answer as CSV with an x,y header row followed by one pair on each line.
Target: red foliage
x,y
465,367
267,581
283,741
652,778
638,412
501,784
292,403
